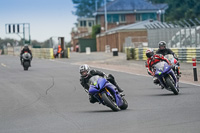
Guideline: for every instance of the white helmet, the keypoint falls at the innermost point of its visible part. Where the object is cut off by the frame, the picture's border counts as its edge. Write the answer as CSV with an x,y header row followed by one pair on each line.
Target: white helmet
x,y
149,52
84,70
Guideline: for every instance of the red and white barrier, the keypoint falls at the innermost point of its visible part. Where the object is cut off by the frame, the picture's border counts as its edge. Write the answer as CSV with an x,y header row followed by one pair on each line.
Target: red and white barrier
x,y
194,62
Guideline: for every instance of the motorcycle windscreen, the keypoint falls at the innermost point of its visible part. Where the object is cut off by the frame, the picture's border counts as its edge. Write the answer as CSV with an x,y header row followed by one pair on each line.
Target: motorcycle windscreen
x,y
101,82
171,59
97,81
161,67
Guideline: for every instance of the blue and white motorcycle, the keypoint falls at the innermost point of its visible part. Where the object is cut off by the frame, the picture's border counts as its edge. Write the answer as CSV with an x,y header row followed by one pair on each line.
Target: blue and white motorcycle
x,y
166,77
106,94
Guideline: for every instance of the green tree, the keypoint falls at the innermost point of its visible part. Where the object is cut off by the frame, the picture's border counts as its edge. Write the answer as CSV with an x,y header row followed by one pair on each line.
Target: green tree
x,y
86,8
11,41
96,29
181,9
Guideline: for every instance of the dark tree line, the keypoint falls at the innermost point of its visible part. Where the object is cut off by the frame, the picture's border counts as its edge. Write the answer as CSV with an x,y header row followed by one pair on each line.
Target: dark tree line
x,y
14,42
181,9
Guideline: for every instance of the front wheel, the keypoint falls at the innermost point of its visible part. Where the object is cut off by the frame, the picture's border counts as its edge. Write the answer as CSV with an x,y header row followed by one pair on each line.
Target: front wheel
x,y
171,85
125,104
109,102
26,65
25,68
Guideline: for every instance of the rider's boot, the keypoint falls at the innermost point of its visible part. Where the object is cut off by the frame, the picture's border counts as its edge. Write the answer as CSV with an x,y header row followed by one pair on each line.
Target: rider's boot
x,y
155,80
162,87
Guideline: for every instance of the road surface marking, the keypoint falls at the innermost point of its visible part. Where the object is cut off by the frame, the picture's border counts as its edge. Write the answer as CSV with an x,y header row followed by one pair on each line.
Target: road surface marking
x,y
3,65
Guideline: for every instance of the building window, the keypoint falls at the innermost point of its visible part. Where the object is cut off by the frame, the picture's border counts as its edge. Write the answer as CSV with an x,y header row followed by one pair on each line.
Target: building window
x,y
115,18
145,16
138,17
90,23
112,18
99,20
83,23
109,18
122,18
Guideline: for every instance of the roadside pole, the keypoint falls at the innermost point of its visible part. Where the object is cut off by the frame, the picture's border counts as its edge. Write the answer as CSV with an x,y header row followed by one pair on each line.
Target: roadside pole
x,y
194,68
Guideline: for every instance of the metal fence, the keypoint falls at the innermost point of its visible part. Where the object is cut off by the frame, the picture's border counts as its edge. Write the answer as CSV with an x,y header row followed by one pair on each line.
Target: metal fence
x,y
178,34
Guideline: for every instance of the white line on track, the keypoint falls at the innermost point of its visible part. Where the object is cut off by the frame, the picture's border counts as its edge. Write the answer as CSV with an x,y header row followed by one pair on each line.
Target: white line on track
x,y
3,65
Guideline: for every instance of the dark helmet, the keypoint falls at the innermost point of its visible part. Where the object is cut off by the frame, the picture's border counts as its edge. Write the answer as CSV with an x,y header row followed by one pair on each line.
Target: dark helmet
x,y
26,46
149,53
162,43
84,70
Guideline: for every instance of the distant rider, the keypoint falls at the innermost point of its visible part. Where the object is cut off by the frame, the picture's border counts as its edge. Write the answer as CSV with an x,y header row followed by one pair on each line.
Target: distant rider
x,y
87,73
164,51
152,59
25,50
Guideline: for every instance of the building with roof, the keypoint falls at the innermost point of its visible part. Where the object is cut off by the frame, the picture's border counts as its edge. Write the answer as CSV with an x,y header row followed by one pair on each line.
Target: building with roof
x,y
117,37
125,18
83,30
124,12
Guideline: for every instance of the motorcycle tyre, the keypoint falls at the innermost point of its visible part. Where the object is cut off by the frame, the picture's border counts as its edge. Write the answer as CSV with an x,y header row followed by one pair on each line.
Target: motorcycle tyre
x,y
109,102
171,85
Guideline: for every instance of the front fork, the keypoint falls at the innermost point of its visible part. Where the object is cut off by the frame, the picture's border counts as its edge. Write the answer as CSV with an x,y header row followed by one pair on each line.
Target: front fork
x,y
98,96
163,82
115,97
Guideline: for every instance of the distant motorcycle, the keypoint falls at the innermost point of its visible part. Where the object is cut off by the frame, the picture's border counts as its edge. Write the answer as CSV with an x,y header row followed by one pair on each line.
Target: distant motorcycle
x,y
174,63
106,94
26,60
166,76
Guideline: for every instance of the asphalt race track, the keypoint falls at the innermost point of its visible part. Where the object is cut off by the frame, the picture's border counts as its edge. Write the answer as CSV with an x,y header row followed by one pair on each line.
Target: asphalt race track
x,y
48,98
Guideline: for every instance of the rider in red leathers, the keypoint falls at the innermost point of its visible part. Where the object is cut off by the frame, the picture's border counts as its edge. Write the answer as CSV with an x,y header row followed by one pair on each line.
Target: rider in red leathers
x,y
152,60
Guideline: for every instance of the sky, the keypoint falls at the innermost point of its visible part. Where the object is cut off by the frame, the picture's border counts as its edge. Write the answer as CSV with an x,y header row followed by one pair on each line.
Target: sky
x,y
47,18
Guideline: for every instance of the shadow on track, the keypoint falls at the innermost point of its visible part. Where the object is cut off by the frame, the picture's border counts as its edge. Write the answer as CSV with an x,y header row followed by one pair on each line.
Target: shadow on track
x,y
103,111
167,94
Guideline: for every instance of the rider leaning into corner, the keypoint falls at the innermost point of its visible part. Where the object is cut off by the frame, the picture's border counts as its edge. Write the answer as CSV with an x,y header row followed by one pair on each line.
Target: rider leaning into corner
x,y
87,73
25,50
164,51
152,59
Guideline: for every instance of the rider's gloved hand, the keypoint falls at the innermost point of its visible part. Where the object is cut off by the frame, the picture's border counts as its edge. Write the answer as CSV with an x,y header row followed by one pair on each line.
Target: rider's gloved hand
x,y
153,74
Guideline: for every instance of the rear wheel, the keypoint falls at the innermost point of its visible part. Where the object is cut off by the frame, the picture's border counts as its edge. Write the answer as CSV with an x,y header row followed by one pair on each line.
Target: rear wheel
x,y
171,85
110,102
